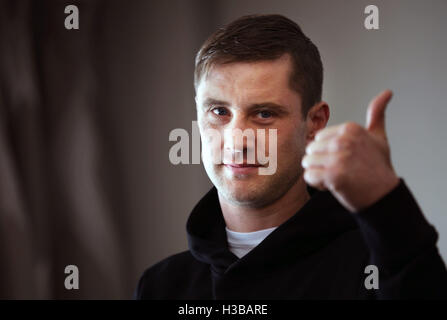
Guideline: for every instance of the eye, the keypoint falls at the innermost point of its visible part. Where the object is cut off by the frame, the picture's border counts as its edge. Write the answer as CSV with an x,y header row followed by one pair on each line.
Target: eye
x,y
220,111
264,114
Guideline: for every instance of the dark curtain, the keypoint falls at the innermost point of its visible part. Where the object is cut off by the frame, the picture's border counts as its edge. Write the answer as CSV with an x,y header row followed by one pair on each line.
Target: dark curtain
x,y
84,122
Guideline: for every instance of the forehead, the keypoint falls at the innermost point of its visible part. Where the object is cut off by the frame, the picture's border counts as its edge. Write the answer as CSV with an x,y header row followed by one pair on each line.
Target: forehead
x,y
243,82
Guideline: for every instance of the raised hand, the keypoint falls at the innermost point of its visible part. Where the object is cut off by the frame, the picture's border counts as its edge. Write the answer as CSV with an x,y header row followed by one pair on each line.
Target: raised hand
x,y
351,161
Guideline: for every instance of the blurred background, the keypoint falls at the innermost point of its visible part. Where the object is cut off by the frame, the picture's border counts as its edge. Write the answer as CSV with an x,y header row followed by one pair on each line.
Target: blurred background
x,y
85,116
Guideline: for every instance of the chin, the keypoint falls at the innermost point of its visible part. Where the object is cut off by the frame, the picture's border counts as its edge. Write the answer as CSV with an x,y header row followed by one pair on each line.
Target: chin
x,y
245,193
252,190
245,199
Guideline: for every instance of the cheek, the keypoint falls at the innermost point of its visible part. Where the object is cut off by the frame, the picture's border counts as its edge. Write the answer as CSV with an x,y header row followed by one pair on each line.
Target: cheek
x,y
286,142
211,140
291,145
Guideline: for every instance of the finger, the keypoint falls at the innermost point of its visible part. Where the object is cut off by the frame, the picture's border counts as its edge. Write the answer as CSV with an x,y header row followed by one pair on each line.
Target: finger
x,y
324,146
375,117
318,160
320,146
327,133
315,178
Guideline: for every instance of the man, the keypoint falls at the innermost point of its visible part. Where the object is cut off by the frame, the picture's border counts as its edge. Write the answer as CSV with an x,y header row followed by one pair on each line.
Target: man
x,y
334,207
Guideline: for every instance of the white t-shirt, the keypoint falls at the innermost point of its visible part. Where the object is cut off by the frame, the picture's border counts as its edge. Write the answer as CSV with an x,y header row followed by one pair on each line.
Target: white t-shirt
x,y
240,243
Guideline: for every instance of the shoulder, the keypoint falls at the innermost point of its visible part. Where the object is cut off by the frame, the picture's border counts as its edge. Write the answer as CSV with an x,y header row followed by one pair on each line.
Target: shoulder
x,y
168,275
170,266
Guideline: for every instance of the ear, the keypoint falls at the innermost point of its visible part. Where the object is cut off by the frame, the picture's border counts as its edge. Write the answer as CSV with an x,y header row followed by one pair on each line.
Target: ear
x,y
316,119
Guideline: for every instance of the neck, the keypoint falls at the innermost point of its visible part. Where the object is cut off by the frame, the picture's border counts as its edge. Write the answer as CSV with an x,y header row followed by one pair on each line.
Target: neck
x,y
247,219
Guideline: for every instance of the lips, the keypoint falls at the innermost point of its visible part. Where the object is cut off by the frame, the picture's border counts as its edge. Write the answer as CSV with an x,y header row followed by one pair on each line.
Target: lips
x,y
242,165
242,168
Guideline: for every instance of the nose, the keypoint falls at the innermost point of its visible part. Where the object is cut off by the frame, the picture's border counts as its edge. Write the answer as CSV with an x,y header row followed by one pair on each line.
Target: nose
x,y
231,143
238,138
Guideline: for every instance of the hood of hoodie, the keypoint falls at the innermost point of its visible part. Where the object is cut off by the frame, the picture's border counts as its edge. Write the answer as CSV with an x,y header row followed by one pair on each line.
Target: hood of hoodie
x,y
320,220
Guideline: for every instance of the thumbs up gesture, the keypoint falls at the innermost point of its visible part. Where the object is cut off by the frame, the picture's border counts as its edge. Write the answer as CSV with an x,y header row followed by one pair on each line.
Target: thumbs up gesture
x,y
353,162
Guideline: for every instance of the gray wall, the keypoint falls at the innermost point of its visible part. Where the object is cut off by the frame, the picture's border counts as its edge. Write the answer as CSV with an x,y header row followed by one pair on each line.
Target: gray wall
x,y
407,54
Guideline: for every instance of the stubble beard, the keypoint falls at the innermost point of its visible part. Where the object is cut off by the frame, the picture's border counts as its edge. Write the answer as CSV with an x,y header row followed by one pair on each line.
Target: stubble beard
x,y
254,191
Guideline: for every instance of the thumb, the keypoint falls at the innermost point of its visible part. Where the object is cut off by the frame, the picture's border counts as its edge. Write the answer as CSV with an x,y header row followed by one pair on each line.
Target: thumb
x,y
375,117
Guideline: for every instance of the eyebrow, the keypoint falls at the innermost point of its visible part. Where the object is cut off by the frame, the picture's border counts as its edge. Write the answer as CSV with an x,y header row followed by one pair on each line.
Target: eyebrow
x,y
209,101
253,107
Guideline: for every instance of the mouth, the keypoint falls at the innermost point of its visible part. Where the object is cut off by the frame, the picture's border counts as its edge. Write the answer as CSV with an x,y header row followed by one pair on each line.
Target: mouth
x,y
242,168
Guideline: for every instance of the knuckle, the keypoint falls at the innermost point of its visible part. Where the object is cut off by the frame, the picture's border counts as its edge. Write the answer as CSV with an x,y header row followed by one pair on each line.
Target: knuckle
x,y
345,143
336,160
311,147
304,160
342,142
351,128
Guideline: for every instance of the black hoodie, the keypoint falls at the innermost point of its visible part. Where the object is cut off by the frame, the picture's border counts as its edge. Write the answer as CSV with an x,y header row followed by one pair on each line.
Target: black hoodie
x,y
319,253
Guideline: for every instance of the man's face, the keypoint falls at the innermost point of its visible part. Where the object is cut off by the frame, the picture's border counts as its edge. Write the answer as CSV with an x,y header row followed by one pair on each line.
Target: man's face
x,y
254,95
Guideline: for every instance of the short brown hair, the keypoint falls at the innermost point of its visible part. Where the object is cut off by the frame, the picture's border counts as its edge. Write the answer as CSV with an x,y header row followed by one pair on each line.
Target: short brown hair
x,y
266,37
